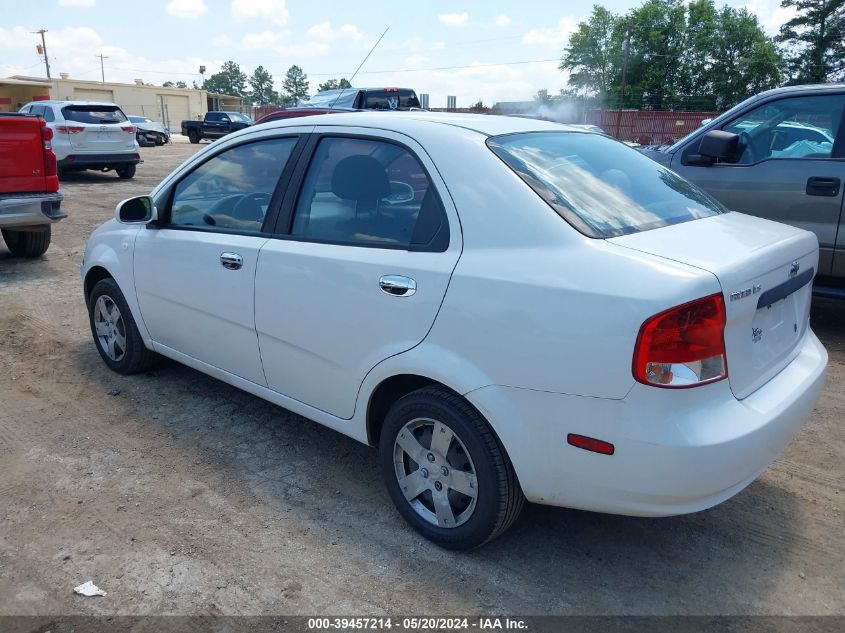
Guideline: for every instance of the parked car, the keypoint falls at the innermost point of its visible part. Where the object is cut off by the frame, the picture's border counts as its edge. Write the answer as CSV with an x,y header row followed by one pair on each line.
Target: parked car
x,y
89,135
349,100
149,132
507,308
29,186
215,125
778,155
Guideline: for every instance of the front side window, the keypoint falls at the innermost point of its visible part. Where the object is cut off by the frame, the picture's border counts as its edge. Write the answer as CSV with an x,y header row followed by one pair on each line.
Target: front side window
x,y
93,114
798,127
600,186
233,189
368,192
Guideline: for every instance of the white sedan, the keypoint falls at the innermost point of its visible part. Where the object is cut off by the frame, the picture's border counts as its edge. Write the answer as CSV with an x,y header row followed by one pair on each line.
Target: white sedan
x,y
509,309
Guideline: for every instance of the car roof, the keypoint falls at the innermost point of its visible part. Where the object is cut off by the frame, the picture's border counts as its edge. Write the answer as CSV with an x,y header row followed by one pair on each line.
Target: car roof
x,y
66,102
803,89
408,121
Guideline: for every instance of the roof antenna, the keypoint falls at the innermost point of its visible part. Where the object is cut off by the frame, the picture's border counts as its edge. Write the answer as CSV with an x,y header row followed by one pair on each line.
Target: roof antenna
x,y
359,67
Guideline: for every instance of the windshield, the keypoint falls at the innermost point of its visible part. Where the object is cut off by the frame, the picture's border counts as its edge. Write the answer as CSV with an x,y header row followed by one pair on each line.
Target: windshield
x,y
139,119
93,114
600,186
237,116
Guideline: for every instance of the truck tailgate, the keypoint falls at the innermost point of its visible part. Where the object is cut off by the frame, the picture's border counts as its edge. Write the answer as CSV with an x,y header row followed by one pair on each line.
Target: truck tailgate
x,y
22,166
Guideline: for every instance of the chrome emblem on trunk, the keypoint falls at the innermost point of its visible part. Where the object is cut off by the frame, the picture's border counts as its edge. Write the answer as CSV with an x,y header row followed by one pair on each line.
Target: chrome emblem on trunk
x,y
746,292
793,270
756,334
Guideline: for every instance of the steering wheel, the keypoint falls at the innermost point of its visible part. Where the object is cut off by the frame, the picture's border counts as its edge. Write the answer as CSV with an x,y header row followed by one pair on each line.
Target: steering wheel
x,y
749,152
249,206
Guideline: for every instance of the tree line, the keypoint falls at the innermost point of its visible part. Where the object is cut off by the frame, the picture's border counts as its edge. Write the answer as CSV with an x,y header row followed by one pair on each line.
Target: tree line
x,y
672,54
259,87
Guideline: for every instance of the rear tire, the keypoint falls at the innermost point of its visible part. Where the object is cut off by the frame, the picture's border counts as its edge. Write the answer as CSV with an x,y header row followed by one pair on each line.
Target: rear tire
x,y
126,171
27,243
193,137
115,333
461,490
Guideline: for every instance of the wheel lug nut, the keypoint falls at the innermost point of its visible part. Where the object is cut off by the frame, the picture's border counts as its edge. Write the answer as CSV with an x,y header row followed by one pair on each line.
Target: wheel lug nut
x,y
424,473
444,470
430,457
438,486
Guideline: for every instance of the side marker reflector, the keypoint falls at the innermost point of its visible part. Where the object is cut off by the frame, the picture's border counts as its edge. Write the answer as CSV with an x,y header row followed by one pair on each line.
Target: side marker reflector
x,y
590,444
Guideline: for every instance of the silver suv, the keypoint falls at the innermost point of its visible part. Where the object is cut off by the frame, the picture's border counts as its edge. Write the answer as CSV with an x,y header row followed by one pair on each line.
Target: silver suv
x,y
89,135
778,155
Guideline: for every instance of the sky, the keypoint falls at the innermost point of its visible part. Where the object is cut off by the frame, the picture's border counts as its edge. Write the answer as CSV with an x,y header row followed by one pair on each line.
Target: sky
x,y
492,50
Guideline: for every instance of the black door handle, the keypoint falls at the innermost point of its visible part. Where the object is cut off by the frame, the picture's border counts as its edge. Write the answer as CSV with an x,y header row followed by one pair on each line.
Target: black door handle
x,y
823,186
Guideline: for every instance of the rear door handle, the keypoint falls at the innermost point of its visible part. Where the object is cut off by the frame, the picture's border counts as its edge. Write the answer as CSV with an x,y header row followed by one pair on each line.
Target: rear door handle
x,y
231,261
822,186
397,285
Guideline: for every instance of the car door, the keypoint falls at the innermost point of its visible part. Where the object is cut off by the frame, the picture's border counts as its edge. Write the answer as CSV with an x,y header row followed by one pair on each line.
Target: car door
x,y
359,266
791,168
195,270
213,124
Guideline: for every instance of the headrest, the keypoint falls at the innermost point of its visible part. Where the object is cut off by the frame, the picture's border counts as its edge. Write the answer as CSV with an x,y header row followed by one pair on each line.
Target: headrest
x,y
360,178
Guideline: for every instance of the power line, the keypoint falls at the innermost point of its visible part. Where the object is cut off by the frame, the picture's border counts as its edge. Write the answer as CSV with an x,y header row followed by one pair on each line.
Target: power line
x,y
419,70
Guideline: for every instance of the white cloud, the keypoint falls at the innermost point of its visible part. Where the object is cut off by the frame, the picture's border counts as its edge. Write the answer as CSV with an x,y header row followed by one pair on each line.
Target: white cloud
x,y
501,20
278,42
77,3
274,10
221,40
770,14
326,33
556,35
454,19
187,9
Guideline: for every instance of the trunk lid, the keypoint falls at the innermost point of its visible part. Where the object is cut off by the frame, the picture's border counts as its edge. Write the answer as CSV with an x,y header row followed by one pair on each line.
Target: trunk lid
x,y
765,270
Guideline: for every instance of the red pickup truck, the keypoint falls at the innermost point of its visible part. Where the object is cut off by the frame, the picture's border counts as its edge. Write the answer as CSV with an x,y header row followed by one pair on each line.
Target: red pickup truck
x,y
30,201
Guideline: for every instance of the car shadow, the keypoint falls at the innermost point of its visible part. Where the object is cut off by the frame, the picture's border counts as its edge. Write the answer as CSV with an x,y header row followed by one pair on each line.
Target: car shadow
x,y
553,560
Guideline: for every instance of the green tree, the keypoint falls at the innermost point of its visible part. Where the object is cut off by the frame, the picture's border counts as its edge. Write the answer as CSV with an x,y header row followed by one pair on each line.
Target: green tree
x,y
334,84
593,55
295,84
815,39
230,81
261,83
168,84
181,84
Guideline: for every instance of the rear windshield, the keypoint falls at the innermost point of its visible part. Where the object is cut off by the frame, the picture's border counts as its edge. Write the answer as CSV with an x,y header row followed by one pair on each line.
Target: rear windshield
x,y
93,114
390,100
600,186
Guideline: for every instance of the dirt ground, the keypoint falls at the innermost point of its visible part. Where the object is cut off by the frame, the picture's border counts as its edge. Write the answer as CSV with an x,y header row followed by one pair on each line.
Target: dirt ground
x,y
178,494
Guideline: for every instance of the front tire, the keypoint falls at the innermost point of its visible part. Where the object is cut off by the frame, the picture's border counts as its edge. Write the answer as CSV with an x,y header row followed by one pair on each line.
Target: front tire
x,y
193,137
446,471
114,330
126,171
27,243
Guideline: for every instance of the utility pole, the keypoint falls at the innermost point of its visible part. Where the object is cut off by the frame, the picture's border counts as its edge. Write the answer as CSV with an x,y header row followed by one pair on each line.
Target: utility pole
x,y
102,71
621,103
44,48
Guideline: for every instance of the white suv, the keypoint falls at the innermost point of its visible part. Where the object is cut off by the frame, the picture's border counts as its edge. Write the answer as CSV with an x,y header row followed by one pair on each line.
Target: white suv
x,y
89,135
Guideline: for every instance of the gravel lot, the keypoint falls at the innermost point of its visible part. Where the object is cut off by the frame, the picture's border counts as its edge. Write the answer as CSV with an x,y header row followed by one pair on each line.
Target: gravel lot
x,y
179,494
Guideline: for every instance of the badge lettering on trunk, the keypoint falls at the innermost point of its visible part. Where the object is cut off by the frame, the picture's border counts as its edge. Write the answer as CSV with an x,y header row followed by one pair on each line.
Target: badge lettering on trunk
x,y
756,334
746,292
793,270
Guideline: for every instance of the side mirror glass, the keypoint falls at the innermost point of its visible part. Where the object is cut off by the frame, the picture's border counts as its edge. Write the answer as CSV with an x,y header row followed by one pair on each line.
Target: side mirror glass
x,y
140,210
400,193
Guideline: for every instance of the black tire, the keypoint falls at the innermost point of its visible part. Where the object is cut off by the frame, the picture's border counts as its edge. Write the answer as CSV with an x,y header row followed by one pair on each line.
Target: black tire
x,y
193,136
498,499
135,356
126,171
160,139
27,243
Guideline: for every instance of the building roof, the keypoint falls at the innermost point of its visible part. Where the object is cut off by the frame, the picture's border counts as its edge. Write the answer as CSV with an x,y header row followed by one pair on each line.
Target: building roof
x,y
17,80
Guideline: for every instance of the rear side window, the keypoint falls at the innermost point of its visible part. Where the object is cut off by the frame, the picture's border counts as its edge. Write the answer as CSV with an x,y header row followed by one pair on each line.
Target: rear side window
x,y
46,112
600,186
93,114
390,100
369,192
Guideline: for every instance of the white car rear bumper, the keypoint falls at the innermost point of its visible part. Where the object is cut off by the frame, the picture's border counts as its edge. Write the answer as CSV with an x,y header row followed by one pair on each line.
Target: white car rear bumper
x,y
676,451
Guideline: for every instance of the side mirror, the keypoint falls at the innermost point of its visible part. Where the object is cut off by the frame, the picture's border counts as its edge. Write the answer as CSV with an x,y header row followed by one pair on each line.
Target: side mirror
x,y
140,210
716,145
400,193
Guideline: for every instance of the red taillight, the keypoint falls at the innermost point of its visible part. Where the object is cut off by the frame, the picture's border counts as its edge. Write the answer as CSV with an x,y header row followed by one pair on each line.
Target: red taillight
x,y
128,128
683,346
69,129
50,167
